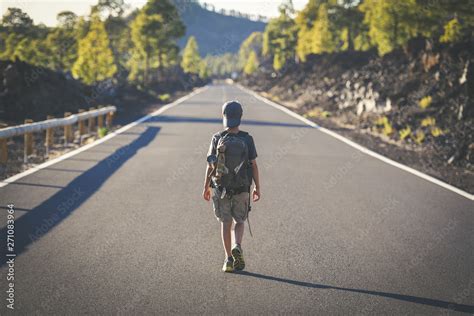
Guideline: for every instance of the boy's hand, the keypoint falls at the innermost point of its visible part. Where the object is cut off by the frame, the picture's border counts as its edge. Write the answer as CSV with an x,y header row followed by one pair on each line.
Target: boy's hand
x,y
206,194
256,194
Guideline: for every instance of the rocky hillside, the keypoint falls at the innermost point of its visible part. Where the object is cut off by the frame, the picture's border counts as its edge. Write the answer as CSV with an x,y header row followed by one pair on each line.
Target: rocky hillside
x,y
419,101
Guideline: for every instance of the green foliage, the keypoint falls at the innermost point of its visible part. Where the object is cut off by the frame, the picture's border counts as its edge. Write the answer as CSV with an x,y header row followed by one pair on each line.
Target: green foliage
x,y
17,20
418,137
385,126
404,133
222,66
252,63
67,19
425,102
62,44
391,24
436,131
154,31
95,60
203,70
322,34
164,97
280,37
452,32
191,58
428,121
254,44
102,132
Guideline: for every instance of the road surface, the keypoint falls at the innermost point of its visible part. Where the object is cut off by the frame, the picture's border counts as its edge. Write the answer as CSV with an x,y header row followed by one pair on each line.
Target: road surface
x,y
122,229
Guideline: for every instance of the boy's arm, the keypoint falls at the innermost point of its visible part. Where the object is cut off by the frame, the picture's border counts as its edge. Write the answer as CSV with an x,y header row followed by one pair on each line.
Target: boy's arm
x,y
206,193
256,179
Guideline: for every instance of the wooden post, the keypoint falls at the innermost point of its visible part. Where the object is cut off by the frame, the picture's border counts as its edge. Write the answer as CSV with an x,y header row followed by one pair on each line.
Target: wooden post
x,y
100,122
67,130
3,151
91,121
82,125
28,143
110,115
49,141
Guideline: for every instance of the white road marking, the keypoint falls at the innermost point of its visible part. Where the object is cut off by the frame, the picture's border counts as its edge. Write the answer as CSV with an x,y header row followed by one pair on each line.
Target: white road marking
x,y
359,147
99,141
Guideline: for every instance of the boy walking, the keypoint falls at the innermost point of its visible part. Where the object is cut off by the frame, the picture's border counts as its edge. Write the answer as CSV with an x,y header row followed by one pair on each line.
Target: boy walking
x,y
231,168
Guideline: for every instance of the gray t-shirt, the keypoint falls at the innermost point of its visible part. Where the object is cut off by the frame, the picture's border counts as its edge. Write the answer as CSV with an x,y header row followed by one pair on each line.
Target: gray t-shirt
x,y
245,136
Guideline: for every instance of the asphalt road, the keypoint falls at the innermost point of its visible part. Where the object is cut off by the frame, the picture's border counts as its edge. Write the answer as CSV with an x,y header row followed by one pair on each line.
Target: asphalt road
x,y
122,229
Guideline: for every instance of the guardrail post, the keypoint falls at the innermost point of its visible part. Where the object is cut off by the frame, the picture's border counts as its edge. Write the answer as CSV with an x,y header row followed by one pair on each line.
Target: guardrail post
x,y
49,141
3,151
100,122
110,115
28,143
82,127
67,130
91,122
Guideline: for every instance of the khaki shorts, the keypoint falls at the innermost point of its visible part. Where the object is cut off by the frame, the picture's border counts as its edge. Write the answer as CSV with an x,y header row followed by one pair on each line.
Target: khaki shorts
x,y
234,208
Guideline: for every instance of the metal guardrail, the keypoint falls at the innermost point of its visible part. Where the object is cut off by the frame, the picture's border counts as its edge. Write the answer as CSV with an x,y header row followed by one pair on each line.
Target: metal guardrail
x,y
67,122
52,123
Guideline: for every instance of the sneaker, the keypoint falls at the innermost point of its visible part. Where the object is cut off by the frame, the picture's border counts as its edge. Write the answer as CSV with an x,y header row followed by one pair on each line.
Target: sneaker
x,y
228,265
237,254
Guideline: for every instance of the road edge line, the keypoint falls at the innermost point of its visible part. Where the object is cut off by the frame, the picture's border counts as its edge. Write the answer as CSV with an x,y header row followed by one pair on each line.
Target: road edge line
x,y
360,147
18,176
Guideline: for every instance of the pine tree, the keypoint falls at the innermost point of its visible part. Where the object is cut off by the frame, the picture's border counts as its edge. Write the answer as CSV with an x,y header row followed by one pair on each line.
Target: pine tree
x,y
280,36
253,43
191,58
95,60
252,63
452,32
391,24
322,34
203,70
305,21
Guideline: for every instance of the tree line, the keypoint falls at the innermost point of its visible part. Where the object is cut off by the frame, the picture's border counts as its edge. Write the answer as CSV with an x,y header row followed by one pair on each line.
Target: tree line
x,y
106,44
327,26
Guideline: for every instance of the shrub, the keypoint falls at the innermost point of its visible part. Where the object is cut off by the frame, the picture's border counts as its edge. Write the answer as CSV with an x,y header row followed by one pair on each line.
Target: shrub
x,y
385,125
436,131
429,121
404,133
425,102
164,97
419,136
103,131
452,32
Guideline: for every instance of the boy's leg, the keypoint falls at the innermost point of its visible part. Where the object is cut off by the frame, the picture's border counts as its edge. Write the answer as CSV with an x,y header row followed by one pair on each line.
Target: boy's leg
x,y
226,233
239,213
239,232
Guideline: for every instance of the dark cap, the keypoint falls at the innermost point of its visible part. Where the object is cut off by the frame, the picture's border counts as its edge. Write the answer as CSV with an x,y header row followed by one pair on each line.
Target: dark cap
x,y
232,112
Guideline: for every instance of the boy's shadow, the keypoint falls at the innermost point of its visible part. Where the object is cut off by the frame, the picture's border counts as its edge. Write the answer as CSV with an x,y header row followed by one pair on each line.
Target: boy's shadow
x,y
407,298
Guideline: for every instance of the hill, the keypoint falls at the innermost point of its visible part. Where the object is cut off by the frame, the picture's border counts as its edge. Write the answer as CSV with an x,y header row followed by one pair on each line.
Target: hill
x,y
216,33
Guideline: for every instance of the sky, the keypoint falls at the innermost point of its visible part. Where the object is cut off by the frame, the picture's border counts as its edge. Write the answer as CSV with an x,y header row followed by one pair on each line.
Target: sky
x,y
42,11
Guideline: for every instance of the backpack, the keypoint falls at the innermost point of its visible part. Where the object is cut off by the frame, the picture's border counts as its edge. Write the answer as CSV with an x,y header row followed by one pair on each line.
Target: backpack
x,y
232,171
